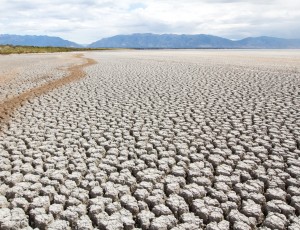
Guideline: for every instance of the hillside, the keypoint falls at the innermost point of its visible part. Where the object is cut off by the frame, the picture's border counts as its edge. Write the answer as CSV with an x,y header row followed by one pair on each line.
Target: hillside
x,y
164,41
193,41
33,40
156,41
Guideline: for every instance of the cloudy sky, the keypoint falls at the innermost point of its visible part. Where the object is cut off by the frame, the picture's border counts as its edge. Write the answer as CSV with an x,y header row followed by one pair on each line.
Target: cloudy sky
x,y
85,21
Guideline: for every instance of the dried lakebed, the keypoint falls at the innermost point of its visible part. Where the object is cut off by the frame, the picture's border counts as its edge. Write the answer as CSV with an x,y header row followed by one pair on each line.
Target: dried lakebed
x,y
151,140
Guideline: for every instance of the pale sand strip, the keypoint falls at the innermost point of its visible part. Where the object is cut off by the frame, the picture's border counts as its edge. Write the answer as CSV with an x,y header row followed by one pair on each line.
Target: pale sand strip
x,y
76,72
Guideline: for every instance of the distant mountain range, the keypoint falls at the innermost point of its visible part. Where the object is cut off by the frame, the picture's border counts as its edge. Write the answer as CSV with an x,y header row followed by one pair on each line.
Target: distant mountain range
x,y
193,41
33,40
155,41
163,41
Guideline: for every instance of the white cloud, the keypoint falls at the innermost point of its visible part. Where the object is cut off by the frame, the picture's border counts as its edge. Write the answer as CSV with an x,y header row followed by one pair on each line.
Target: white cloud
x,y
85,21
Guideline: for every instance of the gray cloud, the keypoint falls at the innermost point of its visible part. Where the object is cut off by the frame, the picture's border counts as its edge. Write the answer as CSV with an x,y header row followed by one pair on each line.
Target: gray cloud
x,y
85,21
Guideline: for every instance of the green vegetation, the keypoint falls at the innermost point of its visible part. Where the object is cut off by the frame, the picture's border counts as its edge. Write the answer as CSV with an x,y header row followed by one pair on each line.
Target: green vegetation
x,y
9,49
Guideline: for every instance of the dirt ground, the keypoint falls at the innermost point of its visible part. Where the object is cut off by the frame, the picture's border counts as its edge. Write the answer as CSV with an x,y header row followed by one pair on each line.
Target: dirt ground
x,y
152,139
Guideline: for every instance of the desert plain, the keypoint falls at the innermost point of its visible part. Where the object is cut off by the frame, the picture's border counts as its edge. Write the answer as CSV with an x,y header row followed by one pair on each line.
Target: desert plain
x,y
150,139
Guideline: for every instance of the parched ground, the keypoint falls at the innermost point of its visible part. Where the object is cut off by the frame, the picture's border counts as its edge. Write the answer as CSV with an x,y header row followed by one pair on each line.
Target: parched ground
x,y
153,140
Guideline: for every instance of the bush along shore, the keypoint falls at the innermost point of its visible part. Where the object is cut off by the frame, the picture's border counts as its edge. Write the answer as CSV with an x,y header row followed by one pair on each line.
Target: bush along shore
x,y
9,49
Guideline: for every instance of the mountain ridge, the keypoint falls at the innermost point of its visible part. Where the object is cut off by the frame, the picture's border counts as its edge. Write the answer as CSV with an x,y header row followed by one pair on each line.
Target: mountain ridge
x,y
36,40
157,41
149,40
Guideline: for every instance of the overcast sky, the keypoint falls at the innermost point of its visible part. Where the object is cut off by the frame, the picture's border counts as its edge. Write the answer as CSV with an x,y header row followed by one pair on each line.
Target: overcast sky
x,y
85,21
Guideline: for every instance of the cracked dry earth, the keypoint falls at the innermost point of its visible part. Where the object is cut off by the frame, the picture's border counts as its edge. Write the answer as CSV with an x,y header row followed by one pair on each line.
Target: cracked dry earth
x,y
153,140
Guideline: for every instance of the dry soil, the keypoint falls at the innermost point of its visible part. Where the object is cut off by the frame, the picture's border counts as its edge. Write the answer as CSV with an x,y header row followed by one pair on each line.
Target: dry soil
x,y
159,140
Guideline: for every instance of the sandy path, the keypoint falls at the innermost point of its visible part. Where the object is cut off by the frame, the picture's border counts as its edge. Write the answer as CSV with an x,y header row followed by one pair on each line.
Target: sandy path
x,y
75,72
